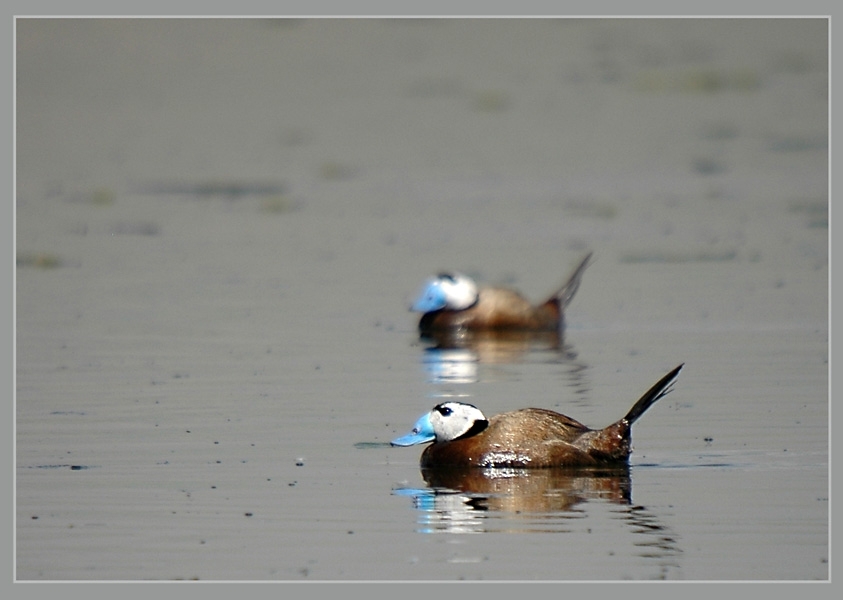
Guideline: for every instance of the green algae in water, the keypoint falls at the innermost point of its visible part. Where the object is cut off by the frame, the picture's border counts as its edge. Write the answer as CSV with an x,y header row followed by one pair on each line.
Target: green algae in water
x,y
815,209
39,260
675,257
370,445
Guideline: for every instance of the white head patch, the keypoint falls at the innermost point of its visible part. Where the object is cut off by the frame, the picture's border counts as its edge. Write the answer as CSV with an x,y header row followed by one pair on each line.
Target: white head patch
x,y
451,420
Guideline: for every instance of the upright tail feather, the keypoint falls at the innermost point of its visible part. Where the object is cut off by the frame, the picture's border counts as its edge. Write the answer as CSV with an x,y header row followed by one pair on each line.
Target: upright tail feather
x,y
564,294
660,390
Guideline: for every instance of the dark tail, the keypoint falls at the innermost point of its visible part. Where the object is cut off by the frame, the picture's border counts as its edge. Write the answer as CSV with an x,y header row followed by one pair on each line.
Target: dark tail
x,y
564,294
660,390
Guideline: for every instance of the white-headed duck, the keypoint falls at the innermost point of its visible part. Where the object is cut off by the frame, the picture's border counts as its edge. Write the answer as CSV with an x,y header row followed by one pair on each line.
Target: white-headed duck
x,y
528,438
454,301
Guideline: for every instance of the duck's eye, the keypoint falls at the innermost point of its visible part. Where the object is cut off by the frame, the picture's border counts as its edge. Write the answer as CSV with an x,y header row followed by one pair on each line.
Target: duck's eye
x,y
444,410
448,276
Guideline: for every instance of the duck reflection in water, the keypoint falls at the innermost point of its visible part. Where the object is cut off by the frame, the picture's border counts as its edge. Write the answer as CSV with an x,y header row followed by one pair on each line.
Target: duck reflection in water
x,y
471,500
456,356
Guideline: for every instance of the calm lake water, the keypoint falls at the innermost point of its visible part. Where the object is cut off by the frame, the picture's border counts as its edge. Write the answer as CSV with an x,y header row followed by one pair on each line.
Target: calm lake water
x,y
220,225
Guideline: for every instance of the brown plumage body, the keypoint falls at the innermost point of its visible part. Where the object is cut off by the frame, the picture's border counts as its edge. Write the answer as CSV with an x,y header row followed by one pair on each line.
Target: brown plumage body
x,y
533,437
497,308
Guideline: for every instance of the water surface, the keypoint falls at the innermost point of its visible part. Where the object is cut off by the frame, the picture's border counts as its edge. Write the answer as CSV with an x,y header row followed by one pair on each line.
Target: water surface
x,y
220,225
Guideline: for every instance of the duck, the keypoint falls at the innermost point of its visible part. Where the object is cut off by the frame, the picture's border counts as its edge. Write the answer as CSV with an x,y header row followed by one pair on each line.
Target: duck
x,y
462,436
453,300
